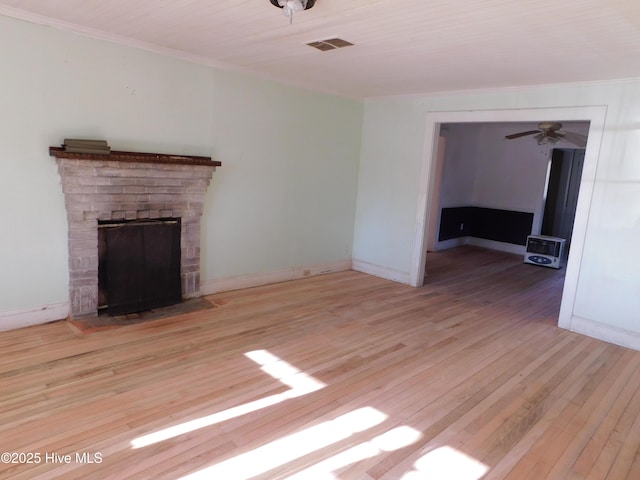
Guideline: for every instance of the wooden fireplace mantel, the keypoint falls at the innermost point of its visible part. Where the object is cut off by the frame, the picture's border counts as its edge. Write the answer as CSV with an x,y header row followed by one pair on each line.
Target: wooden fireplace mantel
x,y
144,157
121,186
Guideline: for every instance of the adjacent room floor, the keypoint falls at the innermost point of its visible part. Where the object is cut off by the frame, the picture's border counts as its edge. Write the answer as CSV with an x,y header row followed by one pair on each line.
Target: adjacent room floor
x,y
341,376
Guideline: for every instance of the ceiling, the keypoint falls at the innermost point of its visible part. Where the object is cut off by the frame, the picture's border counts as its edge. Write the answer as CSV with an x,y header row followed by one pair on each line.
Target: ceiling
x,y
402,47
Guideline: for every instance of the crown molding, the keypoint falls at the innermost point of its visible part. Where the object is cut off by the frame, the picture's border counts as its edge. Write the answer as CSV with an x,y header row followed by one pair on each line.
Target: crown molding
x,y
122,40
108,37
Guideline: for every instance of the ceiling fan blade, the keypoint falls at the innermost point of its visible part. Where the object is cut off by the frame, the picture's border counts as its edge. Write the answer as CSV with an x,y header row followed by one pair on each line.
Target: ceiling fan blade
x,y
521,134
575,138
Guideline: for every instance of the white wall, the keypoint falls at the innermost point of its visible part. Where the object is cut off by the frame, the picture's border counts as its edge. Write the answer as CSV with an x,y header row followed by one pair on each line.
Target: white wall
x,y
607,288
510,174
483,169
284,198
392,136
460,165
285,195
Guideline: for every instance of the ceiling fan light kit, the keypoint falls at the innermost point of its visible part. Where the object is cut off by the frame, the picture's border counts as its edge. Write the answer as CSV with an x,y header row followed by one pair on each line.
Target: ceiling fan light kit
x,y
551,133
289,7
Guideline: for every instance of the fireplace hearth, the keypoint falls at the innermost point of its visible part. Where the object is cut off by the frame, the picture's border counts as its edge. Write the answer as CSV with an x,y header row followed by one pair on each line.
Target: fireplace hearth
x,y
124,187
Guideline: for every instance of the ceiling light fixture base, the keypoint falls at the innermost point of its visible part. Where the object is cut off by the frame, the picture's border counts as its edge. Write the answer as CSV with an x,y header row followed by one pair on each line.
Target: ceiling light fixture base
x,y
289,7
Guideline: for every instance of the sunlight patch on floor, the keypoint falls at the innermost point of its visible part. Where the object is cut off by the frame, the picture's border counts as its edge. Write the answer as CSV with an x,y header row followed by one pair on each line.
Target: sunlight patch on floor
x,y
299,382
291,447
207,421
394,439
446,463
299,444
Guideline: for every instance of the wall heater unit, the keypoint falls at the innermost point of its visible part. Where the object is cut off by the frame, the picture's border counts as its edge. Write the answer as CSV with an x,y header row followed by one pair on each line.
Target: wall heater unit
x,y
545,251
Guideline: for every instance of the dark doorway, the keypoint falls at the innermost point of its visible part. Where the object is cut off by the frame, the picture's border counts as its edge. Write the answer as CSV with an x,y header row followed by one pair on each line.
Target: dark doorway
x,y
139,265
562,192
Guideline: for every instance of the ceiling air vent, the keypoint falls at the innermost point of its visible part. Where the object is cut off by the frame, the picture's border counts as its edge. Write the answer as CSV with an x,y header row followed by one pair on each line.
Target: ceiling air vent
x,y
330,44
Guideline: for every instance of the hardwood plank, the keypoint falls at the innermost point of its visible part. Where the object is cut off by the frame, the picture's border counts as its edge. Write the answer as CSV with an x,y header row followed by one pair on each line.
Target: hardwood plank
x,y
472,361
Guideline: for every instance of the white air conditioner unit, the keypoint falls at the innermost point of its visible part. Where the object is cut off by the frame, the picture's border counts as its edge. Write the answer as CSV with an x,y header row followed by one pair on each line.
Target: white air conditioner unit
x,y
545,251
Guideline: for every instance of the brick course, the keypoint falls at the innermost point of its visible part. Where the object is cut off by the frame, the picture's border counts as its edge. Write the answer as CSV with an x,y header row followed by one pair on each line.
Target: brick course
x,y
97,189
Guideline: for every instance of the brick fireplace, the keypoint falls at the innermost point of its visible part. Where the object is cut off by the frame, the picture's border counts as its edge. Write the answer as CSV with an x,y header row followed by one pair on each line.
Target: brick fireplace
x,y
129,186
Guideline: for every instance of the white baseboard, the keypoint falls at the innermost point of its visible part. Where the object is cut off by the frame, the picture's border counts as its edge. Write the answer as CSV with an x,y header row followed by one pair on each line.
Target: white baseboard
x,y
382,272
451,243
33,316
500,246
49,313
608,333
481,242
258,279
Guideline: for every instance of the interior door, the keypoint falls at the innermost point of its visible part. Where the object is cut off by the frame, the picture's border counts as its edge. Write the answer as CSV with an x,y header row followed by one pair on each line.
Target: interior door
x,y
562,192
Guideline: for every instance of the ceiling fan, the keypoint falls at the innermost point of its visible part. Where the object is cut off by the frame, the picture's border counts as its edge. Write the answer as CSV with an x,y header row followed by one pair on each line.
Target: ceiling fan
x,y
551,132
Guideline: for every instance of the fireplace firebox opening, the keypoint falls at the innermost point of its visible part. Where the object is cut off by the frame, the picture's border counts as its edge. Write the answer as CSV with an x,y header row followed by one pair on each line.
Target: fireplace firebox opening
x,y
149,188
138,265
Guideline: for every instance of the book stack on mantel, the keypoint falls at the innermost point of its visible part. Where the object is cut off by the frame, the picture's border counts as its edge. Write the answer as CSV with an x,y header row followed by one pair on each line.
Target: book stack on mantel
x,y
76,145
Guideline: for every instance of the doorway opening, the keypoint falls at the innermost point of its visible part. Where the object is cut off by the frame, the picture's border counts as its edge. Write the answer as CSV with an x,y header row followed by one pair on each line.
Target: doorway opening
x,y
561,199
429,183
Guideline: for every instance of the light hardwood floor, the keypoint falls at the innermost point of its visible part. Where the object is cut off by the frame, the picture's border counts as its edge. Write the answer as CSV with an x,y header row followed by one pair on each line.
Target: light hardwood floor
x,y
342,376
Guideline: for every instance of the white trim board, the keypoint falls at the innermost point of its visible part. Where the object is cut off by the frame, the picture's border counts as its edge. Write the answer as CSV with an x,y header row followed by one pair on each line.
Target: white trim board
x,y
482,243
33,316
97,34
380,271
50,313
258,279
500,246
607,333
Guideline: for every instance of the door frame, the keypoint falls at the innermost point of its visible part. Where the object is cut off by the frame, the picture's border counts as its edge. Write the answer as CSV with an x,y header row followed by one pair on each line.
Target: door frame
x,y
551,207
596,115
